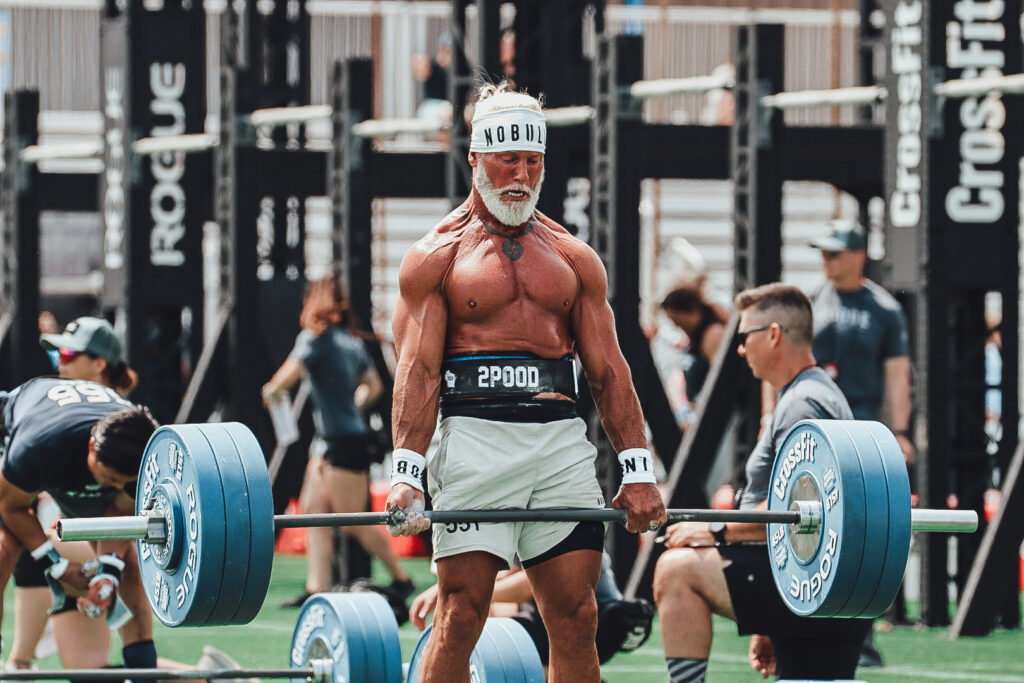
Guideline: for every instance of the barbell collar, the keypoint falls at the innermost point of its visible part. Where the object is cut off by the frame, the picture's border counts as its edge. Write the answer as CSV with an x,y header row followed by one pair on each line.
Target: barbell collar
x,y
148,528
949,521
810,515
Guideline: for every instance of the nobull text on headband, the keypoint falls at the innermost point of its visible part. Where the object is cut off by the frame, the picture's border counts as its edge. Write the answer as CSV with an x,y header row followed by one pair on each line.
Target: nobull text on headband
x,y
504,130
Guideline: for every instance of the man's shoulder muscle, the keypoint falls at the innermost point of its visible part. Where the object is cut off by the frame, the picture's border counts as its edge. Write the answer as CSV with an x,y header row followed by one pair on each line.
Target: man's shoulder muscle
x,y
430,257
577,253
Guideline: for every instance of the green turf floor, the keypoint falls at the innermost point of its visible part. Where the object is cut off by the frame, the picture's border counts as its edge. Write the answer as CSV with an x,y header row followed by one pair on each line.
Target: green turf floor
x,y
912,655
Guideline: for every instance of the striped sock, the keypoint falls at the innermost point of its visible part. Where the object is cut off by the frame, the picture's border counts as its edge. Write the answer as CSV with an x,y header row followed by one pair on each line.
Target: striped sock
x,y
686,670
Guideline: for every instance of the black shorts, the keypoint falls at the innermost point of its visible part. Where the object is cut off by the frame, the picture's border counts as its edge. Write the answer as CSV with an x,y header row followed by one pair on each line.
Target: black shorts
x,y
805,647
27,572
351,451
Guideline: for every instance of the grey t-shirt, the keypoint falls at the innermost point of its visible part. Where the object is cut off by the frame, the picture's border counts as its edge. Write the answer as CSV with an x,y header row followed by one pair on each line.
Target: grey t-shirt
x,y
854,334
810,396
335,361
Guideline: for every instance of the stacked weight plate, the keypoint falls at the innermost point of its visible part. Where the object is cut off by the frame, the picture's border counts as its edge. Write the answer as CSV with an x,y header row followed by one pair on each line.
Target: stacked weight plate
x,y
853,564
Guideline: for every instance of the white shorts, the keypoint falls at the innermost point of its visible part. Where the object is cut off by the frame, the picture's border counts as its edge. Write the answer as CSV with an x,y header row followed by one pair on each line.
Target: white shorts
x,y
485,465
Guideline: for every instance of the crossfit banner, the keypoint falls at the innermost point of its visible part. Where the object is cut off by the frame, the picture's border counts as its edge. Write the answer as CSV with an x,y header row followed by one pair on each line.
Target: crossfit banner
x,y
975,156
907,113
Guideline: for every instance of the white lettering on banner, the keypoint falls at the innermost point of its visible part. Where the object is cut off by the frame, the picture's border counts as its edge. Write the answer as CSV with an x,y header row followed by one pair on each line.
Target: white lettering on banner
x,y
978,195
807,589
905,62
167,200
114,169
311,620
507,376
802,450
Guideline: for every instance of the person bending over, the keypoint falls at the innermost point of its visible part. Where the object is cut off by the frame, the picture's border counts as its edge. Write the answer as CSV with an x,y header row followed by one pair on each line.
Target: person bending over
x,y
493,304
81,443
724,568
87,349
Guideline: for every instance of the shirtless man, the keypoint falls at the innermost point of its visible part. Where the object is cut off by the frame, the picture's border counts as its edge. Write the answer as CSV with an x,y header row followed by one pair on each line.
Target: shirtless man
x,y
494,301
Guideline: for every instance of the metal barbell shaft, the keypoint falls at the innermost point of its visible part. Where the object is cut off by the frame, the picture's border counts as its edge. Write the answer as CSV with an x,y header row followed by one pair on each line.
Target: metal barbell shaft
x,y
142,527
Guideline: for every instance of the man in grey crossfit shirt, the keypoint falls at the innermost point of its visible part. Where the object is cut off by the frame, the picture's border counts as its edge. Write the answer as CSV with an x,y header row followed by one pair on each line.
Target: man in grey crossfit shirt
x,y
724,568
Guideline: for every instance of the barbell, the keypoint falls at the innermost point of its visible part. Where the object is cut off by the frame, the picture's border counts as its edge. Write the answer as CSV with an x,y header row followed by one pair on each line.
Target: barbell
x,y
839,521
351,638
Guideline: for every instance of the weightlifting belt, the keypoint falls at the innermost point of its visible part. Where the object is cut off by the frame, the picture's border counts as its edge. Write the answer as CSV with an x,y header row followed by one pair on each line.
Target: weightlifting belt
x,y
502,386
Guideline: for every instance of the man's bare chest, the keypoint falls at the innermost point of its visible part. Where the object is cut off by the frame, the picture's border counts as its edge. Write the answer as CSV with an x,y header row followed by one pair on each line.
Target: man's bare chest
x,y
504,275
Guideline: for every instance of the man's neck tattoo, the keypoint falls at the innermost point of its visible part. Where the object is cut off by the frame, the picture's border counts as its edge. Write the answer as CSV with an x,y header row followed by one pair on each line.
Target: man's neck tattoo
x,y
509,246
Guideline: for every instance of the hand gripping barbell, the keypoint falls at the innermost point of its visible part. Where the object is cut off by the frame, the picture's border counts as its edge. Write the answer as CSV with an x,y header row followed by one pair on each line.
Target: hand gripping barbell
x,y
350,637
839,521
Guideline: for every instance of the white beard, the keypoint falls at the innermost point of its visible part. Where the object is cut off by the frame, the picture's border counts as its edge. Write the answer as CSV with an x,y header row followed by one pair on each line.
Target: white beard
x,y
507,213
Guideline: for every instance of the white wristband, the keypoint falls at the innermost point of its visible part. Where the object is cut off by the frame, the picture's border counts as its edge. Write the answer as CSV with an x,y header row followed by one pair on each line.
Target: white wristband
x,y
407,467
43,549
637,466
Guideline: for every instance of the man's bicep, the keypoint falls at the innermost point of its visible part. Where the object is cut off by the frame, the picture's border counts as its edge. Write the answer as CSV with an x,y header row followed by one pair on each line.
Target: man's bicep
x,y
897,369
593,321
421,313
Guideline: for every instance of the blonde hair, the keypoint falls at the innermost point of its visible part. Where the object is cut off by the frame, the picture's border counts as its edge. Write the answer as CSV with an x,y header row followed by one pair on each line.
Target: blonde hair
x,y
493,97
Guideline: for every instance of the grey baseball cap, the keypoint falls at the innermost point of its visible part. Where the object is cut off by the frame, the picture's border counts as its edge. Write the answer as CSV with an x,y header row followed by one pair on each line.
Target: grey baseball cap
x,y
842,234
87,335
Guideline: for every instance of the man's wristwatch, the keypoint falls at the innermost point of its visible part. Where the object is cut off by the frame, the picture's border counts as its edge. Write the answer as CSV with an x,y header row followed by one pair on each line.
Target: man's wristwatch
x,y
717,530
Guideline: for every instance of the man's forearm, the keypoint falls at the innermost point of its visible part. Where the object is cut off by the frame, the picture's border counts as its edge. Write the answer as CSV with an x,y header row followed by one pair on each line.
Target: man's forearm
x,y
414,409
897,386
24,526
620,412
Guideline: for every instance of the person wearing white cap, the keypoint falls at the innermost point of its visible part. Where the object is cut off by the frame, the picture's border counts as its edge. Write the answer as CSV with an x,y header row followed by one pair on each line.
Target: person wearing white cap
x,y
495,302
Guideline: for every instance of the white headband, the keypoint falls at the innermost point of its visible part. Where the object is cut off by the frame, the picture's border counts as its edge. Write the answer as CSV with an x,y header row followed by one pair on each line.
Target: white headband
x,y
504,130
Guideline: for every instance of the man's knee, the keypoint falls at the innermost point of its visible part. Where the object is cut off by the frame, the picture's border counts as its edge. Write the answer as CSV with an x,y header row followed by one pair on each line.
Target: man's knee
x,y
677,570
576,615
463,614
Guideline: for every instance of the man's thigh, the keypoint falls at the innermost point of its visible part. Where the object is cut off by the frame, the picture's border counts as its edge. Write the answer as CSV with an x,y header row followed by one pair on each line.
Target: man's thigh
x,y
466,580
564,583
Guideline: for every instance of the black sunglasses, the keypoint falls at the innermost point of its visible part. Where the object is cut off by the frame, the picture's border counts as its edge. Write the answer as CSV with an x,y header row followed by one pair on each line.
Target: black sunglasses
x,y
742,334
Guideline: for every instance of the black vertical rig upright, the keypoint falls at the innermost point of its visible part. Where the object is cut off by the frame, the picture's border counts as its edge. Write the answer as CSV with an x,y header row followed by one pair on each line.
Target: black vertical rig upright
x,y
21,357
756,163
153,84
952,237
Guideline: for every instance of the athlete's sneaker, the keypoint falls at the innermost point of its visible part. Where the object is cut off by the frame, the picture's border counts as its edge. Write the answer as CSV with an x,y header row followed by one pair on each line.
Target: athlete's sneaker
x,y
296,602
218,659
403,589
395,600
10,666
47,644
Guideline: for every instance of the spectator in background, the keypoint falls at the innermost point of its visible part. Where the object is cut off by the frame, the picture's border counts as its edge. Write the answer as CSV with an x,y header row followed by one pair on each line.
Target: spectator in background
x,y
507,55
432,73
344,383
704,325
723,568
